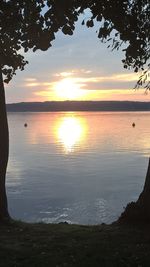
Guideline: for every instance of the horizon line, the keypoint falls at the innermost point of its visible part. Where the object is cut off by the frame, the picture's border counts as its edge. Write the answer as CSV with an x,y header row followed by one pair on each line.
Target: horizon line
x,y
62,101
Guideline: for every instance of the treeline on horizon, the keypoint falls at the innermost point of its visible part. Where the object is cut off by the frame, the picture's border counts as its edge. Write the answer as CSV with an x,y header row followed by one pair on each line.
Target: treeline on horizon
x,y
78,106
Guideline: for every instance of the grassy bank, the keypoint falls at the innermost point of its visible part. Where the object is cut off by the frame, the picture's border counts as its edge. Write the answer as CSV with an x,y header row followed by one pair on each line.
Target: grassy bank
x,y
60,245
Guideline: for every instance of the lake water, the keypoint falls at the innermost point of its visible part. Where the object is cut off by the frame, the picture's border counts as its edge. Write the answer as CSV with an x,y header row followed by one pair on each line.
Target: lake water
x,y
79,167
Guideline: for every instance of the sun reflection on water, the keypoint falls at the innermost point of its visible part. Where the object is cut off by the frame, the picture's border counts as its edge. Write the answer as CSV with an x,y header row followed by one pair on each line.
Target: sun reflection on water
x,y
71,133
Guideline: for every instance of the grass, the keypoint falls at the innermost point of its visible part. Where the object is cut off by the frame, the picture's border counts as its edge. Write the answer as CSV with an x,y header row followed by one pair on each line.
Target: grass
x,y
64,245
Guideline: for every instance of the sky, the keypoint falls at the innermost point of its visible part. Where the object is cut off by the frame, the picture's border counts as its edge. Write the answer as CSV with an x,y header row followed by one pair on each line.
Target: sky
x,y
77,67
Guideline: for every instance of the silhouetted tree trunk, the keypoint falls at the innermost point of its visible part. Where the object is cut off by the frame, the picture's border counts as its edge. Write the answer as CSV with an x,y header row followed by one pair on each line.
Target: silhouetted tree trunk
x,y
4,151
139,211
144,198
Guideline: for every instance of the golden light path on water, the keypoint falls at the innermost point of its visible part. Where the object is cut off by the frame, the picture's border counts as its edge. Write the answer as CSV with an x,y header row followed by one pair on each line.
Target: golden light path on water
x,y
71,132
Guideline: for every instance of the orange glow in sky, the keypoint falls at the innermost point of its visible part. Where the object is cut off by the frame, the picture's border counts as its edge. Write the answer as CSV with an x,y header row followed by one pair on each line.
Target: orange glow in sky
x,y
82,85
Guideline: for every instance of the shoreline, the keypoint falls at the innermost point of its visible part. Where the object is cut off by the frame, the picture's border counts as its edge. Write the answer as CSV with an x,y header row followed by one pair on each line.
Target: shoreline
x,y
43,245
75,106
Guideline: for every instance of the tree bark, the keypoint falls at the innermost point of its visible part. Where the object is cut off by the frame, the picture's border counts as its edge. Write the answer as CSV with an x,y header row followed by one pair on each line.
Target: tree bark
x,y
4,152
139,211
144,198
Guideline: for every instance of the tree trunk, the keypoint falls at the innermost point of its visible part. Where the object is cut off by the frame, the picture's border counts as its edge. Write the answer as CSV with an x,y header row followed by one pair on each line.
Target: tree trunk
x,y
4,151
144,198
139,211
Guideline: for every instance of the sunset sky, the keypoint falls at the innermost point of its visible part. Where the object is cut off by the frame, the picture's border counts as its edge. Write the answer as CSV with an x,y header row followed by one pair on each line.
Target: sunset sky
x,y
77,67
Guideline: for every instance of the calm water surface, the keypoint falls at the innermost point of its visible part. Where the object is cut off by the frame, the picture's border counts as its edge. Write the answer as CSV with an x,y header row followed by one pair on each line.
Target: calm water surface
x,y
79,167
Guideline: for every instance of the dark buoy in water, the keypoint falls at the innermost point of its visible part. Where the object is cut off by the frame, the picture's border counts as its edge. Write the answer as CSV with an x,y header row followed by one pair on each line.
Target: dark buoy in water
x,y
133,124
25,125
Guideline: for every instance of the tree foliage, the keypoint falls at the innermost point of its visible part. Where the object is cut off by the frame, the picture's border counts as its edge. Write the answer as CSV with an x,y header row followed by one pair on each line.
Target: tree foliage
x,y
26,25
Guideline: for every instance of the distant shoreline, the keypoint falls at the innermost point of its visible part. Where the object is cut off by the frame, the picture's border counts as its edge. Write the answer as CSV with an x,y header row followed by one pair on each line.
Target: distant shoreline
x,y
51,106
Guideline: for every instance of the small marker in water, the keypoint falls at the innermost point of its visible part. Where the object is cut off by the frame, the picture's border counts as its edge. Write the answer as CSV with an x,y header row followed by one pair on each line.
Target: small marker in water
x,y
133,124
25,125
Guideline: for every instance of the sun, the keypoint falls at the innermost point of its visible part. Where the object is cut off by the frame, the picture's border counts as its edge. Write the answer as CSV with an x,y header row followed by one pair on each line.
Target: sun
x,y
68,89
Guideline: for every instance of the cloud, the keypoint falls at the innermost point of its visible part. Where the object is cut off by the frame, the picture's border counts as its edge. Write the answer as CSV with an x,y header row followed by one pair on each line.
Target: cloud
x,y
30,79
73,72
83,79
114,78
63,74
32,84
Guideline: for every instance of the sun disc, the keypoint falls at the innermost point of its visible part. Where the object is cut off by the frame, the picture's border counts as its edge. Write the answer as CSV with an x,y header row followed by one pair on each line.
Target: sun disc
x,y
68,89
